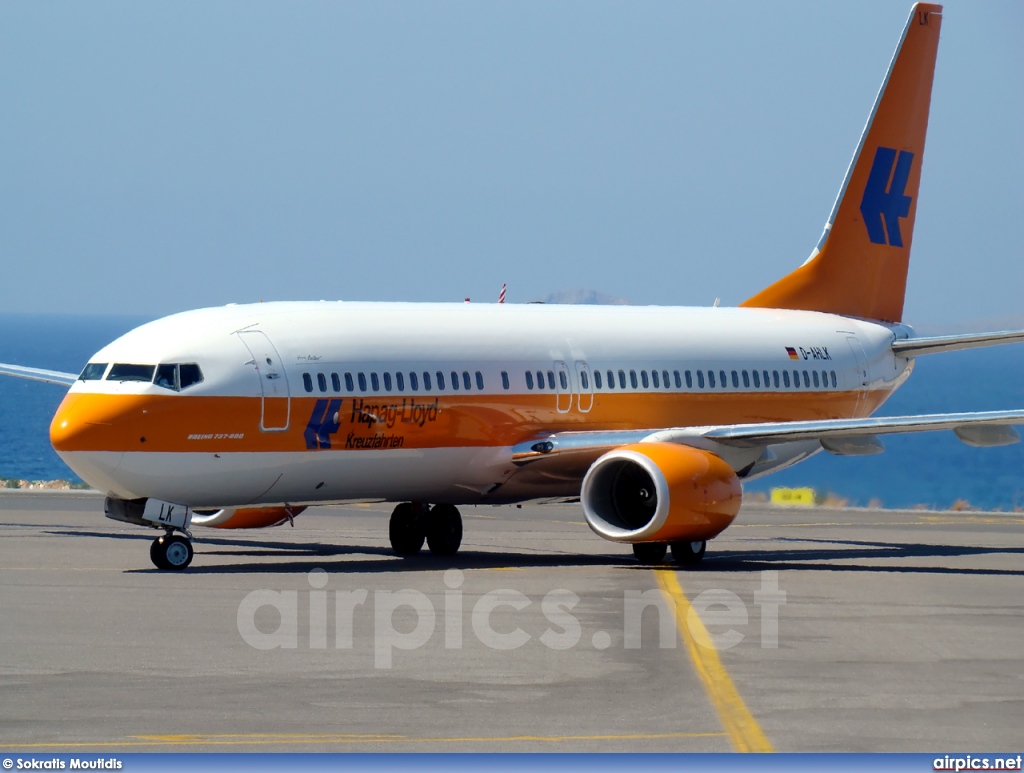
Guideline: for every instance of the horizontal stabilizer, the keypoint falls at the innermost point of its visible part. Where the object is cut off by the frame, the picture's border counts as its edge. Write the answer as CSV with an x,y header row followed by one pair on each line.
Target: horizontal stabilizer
x,y
38,374
912,347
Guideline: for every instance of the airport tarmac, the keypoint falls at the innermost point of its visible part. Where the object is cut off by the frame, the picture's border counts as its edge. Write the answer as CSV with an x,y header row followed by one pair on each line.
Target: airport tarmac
x,y
836,630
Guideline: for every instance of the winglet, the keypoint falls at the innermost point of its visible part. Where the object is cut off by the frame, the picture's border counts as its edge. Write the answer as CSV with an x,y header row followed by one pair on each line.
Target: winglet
x,y
859,267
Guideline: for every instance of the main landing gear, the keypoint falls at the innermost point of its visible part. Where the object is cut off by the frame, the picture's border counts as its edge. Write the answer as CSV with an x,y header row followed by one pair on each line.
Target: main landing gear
x,y
413,523
683,553
171,551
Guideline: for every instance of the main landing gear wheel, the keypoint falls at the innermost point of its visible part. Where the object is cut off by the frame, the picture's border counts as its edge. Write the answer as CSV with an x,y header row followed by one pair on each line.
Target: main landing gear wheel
x,y
650,552
171,551
444,530
406,530
688,553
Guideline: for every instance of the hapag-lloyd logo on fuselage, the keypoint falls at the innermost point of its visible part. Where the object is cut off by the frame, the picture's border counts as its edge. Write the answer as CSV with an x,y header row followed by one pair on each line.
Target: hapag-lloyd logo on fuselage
x,y
326,418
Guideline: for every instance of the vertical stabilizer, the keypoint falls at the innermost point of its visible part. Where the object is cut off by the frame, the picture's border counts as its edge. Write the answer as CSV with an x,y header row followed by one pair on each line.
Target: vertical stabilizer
x,y
859,267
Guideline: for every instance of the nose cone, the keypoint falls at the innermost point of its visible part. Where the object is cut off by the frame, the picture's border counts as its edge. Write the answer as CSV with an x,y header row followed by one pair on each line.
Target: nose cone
x,y
77,423
84,433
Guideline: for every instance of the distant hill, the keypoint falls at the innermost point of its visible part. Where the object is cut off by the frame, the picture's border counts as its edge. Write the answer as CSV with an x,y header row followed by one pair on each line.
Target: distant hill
x,y
583,296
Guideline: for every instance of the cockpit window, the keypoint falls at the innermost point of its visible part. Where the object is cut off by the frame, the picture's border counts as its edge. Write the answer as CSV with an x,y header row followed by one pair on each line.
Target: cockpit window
x,y
166,376
93,371
121,371
177,377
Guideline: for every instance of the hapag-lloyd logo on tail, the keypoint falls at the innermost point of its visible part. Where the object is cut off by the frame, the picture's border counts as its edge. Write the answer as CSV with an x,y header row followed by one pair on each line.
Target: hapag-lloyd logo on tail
x,y
884,202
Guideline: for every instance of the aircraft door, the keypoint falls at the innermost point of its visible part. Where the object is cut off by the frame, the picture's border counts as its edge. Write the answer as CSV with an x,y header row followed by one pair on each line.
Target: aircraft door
x,y
563,387
275,411
860,377
585,387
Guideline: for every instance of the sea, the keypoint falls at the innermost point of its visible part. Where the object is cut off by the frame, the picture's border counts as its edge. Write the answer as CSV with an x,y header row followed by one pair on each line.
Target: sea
x,y
932,469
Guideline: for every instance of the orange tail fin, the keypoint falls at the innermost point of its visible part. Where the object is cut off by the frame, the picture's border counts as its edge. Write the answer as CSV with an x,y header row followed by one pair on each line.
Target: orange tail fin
x,y
859,267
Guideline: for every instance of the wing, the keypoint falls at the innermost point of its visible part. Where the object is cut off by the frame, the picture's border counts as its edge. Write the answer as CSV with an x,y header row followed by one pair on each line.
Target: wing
x,y
38,374
838,436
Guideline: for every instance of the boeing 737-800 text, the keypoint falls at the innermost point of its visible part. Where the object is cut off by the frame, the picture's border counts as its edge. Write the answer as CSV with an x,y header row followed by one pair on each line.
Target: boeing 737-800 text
x,y
242,416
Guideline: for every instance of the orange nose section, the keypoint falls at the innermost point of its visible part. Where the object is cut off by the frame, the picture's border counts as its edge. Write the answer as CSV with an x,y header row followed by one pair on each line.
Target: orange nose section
x,y
91,422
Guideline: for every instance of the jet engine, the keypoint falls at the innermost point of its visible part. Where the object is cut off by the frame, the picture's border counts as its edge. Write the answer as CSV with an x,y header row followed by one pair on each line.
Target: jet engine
x,y
245,517
660,492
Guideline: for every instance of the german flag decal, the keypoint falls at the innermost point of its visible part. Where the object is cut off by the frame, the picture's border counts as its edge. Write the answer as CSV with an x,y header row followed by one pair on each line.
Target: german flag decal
x,y
792,353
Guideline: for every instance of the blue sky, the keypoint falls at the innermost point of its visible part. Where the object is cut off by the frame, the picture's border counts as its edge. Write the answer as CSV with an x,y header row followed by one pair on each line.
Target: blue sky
x,y
161,156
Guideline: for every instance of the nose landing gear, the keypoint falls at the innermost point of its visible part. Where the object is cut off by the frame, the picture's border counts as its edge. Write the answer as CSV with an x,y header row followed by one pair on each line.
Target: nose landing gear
x,y
412,523
171,551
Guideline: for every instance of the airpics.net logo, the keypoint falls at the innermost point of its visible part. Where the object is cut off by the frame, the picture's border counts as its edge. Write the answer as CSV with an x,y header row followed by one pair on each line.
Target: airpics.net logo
x,y
499,619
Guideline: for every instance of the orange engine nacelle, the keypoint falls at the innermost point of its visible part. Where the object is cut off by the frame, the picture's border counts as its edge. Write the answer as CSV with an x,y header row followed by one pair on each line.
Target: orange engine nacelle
x,y
660,492
245,517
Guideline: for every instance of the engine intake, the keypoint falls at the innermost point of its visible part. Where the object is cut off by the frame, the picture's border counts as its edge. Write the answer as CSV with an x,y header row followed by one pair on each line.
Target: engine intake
x,y
660,492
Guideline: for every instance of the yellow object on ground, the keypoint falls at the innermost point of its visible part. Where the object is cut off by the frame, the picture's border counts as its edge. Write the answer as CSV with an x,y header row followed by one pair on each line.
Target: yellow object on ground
x,y
798,497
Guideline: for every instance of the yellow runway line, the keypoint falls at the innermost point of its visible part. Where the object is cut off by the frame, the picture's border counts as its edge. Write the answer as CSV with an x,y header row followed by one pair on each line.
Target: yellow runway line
x,y
744,732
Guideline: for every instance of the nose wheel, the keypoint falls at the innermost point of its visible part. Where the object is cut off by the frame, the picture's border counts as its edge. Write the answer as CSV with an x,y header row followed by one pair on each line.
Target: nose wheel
x,y
171,552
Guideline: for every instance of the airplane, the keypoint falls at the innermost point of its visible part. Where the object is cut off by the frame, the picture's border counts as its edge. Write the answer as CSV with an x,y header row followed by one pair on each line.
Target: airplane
x,y
651,418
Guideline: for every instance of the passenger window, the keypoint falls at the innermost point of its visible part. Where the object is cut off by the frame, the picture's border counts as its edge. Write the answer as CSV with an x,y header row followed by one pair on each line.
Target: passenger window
x,y
440,380
374,382
414,383
361,378
785,378
611,380
479,381
700,379
757,379
834,380
735,380
504,379
824,379
597,379
551,379
584,381
654,380
689,380
321,381
455,381
723,382
336,382
622,379
711,379
815,374
93,371
766,381
775,379
529,380
540,380
387,381
128,372
664,378
349,386
643,379
426,381
166,377
465,380
400,381
807,380
632,379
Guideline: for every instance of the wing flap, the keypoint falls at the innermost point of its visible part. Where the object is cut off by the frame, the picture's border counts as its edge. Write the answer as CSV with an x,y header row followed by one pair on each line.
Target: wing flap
x,y
38,374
